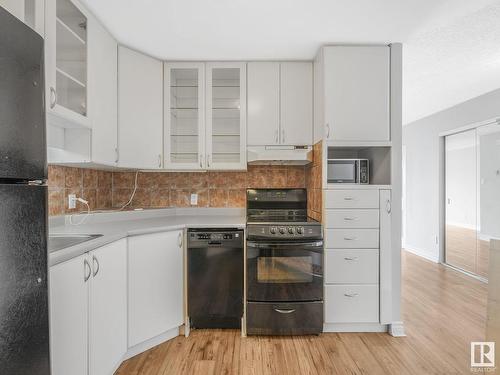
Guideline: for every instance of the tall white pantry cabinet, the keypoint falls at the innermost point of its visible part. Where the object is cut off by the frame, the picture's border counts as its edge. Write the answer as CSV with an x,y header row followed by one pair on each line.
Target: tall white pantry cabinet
x,y
357,114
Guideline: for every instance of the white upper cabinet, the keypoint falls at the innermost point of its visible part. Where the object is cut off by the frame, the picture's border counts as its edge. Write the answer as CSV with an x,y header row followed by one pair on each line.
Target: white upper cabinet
x,y
226,116
103,106
140,110
31,12
263,103
356,93
205,116
184,119
296,105
280,103
66,61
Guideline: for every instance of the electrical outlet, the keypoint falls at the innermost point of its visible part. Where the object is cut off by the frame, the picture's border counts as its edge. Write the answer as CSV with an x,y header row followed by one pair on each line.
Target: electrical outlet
x,y
71,201
194,199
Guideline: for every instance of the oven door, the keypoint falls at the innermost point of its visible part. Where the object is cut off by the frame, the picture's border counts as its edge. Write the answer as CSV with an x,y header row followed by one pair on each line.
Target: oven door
x,y
284,271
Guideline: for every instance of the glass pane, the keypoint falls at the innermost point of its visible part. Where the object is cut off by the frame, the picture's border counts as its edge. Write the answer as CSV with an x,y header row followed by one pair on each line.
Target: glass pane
x,y
461,192
226,115
488,194
278,270
71,57
184,115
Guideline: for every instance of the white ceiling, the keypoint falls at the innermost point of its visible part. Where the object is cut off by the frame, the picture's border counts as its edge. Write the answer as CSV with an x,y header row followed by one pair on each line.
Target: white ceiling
x,y
451,47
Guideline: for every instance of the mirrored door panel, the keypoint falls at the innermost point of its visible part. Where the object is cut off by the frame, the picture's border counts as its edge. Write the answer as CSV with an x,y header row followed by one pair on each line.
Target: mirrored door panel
x,y
488,146
461,198
472,180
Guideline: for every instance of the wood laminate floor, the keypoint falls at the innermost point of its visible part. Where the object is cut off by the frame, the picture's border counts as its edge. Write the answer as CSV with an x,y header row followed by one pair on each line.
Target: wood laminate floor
x,y
443,311
466,251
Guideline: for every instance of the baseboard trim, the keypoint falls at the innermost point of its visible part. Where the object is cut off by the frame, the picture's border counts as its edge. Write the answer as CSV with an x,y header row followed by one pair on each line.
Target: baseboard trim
x,y
146,345
421,253
354,327
397,329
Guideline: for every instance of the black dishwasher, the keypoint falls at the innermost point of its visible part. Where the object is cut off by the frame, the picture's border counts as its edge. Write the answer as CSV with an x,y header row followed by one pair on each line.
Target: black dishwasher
x,y
215,278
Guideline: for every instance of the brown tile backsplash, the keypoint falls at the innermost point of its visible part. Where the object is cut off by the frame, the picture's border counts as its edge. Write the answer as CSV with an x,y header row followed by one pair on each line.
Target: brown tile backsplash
x,y
107,190
313,178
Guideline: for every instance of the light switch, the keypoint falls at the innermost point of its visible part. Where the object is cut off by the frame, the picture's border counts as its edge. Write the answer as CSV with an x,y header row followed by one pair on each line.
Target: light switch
x,y
194,199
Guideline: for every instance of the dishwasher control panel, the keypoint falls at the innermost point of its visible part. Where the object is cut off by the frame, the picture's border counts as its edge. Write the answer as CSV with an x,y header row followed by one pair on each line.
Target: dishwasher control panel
x,y
198,238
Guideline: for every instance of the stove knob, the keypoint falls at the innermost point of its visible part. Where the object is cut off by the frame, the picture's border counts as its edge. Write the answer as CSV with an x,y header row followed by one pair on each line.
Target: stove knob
x,y
282,230
300,230
291,230
272,230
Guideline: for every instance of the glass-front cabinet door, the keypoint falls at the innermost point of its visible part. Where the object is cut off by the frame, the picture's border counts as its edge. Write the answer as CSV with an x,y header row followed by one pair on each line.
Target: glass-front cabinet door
x,y
226,116
66,60
184,105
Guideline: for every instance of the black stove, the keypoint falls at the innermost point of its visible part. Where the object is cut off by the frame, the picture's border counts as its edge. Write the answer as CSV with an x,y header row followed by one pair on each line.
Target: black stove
x,y
284,264
280,214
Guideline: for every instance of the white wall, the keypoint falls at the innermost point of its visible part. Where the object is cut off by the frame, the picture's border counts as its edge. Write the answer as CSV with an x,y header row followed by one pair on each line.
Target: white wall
x,y
422,142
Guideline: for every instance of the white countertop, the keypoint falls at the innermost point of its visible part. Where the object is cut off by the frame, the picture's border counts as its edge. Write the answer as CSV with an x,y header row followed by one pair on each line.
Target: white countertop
x,y
116,225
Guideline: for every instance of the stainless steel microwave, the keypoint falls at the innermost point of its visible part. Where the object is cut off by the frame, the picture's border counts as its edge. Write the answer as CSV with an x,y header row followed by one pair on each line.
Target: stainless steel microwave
x,y
348,171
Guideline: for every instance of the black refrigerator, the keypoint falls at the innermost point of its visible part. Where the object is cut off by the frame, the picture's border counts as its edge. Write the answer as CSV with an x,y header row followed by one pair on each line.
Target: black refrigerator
x,y
24,320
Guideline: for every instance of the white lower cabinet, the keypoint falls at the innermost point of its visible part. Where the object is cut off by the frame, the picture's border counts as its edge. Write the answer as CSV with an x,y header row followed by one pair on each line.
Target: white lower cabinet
x,y
88,312
357,258
108,308
69,309
155,299
351,304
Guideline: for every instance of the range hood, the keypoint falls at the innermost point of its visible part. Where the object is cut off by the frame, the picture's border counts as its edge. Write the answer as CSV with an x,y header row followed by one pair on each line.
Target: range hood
x,y
279,155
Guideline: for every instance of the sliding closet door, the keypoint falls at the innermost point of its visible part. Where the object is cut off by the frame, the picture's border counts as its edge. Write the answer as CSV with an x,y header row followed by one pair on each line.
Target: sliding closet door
x,y
461,201
488,144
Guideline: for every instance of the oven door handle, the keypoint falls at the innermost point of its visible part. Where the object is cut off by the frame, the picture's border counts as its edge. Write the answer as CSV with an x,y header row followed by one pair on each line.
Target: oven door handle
x,y
285,245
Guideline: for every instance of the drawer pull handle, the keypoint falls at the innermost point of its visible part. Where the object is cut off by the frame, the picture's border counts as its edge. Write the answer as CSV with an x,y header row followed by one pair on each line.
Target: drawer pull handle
x,y
350,238
348,198
285,311
351,258
351,295
350,218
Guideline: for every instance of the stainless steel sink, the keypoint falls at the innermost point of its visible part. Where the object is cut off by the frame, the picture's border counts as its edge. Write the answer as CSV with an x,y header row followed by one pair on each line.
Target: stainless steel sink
x,y
62,241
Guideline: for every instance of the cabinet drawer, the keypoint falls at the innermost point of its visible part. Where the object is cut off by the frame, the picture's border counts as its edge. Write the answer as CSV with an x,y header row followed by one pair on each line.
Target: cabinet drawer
x,y
351,304
352,198
352,238
351,266
356,218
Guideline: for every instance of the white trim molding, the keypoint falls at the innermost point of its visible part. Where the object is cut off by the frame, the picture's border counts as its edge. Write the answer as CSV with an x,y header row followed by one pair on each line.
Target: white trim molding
x,y
354,327
397,329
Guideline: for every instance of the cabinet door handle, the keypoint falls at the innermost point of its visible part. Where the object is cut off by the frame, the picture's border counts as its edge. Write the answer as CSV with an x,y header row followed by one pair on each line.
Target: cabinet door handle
x,y
348,198
350,238
117,154
281,311
277,136
350,218
87,270
327,131
53,97
208,160
201,160
97,266
351,259
179,240
351,295
159,160
388,207
282,135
